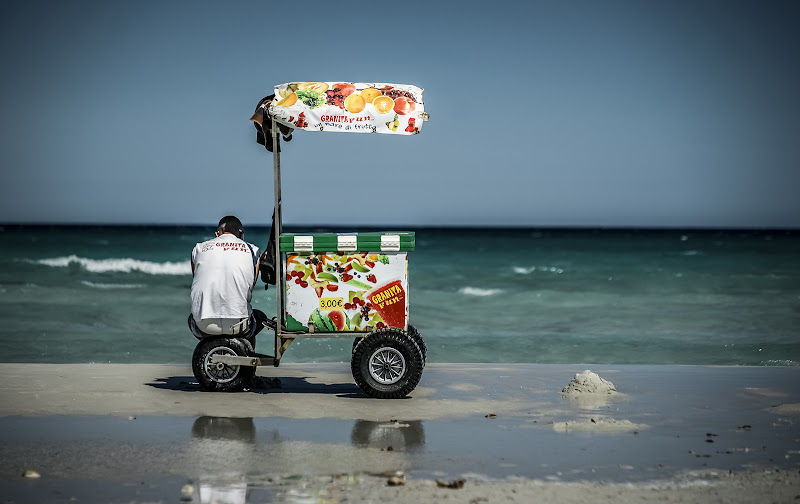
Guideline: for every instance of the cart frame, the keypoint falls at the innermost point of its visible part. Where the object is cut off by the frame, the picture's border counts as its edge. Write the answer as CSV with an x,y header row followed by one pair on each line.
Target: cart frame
x,y
386,363
285,338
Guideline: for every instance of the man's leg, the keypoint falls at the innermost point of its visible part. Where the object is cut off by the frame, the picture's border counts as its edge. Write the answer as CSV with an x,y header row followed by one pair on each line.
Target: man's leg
x,y
193,327
260,321
256,325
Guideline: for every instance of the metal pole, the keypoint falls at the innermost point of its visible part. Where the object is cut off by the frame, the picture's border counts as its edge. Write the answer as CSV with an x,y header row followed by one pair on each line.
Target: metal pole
x,y
276,230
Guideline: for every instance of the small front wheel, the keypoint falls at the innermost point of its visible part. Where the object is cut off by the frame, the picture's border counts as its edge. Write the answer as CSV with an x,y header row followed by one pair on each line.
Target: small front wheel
x,y
387,364
220,377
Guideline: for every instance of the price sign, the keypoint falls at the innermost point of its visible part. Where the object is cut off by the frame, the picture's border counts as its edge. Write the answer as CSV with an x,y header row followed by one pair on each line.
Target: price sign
x,y
331,303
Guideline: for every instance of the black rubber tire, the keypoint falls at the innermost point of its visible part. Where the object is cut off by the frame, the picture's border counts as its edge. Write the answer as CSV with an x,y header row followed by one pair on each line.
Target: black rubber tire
x,y
403,360
225,378
412,331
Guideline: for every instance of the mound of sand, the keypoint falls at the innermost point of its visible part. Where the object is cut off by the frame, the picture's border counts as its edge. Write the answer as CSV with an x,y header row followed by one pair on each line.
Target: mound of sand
x,y
598,424
587,382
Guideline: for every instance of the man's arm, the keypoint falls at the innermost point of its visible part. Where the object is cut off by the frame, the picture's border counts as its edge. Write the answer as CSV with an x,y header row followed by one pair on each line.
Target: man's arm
x,y
258,268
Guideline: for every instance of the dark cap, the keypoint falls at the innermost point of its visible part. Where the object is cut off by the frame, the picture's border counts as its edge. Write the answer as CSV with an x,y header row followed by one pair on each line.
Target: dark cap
x,y
230,224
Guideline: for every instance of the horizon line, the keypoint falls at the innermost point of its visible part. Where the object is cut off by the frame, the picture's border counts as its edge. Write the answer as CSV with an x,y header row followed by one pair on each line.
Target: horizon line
x,y
541,227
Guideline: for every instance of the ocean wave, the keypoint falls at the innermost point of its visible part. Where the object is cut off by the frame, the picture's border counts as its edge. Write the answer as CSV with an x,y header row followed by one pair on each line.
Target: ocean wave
x,y
780,362
545,269
96,285
123,265
474,291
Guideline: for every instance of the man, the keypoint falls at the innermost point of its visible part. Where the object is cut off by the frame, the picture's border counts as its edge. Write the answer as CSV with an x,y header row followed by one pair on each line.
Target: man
x,y
224,273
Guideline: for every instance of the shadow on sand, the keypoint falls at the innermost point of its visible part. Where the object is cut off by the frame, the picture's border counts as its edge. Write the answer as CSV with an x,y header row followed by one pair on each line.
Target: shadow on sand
x,y
265,385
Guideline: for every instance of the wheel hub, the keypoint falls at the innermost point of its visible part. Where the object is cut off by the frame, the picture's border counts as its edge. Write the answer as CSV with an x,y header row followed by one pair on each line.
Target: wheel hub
x,y
387,365
219,372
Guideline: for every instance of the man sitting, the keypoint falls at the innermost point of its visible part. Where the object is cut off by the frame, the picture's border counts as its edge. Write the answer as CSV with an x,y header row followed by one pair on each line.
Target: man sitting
x,y
224,272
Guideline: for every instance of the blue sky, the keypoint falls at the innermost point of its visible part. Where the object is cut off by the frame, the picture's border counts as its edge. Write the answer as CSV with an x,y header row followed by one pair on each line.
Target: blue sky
x,y
543,113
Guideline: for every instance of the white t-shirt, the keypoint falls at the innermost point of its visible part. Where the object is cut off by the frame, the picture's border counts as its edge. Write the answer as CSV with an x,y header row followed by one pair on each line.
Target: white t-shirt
x,y
224,277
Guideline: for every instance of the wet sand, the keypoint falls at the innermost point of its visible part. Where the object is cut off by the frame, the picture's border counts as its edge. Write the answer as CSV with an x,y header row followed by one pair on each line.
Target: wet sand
x,y
144,433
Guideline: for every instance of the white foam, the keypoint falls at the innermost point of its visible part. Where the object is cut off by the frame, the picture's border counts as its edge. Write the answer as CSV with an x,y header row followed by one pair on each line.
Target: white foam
x,y
123,265
474,291
96,285
527,271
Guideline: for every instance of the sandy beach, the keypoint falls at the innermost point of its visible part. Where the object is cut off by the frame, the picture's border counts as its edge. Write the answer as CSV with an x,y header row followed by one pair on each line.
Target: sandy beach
x,y
469,433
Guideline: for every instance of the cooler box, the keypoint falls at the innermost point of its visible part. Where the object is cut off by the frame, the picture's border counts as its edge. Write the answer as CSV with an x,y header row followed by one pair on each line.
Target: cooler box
x,y
339,282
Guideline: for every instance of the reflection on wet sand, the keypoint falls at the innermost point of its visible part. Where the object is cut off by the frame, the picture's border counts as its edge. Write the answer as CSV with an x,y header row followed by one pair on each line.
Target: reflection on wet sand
x,y
224,428
224,443
227,447
393,435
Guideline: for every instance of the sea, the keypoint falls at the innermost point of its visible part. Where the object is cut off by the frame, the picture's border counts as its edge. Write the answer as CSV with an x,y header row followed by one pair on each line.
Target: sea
x,y
120,294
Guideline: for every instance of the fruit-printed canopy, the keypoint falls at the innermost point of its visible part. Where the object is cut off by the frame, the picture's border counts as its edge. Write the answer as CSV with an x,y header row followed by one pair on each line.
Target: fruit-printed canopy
x,y
348,106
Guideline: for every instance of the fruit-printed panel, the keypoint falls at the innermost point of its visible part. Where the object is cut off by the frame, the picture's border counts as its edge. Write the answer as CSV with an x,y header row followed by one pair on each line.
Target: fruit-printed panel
x,y
350,107
357,291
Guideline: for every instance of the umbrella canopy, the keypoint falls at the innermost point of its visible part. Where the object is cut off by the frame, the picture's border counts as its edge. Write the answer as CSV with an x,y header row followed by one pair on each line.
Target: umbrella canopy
x,y
356,107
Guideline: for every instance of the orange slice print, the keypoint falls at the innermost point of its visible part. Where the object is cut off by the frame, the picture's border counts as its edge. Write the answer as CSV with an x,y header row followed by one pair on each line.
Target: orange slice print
x,y
383,104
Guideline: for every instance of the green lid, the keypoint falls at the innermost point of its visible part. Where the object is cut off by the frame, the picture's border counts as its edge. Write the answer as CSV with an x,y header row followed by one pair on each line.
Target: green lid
x,y
382,241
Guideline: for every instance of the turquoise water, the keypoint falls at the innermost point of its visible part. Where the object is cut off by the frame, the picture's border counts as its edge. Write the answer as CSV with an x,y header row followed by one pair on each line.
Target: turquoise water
x,y
121,294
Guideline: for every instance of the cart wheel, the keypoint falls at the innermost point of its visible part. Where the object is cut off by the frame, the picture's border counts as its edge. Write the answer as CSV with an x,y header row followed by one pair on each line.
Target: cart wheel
x,y
356,341
414,334
222,377
387,364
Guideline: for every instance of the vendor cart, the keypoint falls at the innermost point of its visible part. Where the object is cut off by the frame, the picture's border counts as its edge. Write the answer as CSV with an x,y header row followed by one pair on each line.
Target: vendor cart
x,y
332,285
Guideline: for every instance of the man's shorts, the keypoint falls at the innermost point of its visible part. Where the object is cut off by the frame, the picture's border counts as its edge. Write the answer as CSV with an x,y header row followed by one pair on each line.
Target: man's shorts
x,y
239,328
